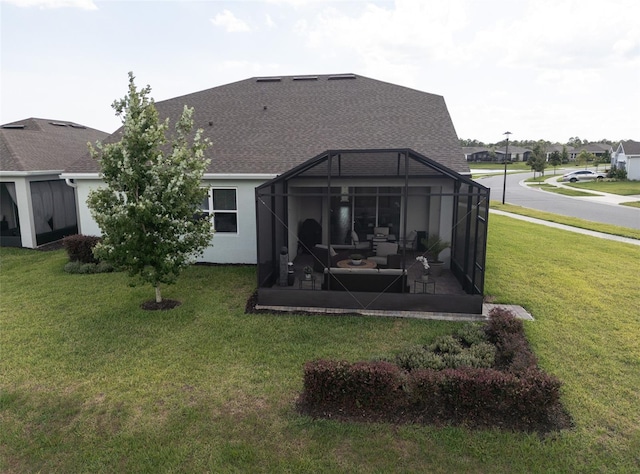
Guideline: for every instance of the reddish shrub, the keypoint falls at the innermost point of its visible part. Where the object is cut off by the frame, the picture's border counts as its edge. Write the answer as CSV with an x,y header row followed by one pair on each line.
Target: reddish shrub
x,y
338,386
502,322
80,247
514,394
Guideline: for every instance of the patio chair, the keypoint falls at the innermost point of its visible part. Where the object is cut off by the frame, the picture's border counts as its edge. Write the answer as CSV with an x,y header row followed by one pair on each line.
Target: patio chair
x,y
383,251
409,242
357,245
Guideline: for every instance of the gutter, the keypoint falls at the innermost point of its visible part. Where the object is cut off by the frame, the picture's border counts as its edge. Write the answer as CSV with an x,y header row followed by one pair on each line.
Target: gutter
x,y
23,174
217,176
255,176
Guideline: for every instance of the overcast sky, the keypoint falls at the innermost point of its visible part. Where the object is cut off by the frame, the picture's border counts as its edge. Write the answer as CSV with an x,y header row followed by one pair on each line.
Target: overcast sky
x,y
537,68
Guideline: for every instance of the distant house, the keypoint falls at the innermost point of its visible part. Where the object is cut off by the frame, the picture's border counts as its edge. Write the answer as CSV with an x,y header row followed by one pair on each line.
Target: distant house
x,y
478,153
559,148
627,157
484,154
596,149
516,153
36,206
348,153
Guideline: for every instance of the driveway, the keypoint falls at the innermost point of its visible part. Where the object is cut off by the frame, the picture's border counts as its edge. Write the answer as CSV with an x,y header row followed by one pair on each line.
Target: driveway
x,y
594,209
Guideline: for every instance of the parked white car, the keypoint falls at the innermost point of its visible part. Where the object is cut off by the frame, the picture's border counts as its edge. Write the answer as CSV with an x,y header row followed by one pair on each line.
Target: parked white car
x,y
581,175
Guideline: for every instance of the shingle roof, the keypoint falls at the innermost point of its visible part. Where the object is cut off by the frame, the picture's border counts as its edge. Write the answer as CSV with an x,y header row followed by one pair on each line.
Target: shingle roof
x,y
270,125
37,144
631,147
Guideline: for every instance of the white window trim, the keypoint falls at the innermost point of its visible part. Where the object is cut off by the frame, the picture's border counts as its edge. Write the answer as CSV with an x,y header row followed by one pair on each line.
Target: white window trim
x,y
212,211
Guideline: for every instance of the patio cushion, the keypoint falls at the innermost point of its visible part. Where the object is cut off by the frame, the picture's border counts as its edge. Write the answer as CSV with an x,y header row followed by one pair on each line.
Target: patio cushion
x,y
319,253
386,248
366,279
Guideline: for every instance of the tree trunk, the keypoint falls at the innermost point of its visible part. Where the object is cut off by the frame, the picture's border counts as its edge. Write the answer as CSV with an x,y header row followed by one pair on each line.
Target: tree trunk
x,y
158,295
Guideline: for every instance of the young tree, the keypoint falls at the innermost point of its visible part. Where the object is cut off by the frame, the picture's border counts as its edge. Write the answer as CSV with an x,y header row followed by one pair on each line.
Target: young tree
x,y
555,160
146,211
583,158
564,155
538,159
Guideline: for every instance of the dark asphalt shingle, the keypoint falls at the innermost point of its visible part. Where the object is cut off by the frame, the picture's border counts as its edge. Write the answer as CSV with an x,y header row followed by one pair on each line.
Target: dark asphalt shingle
x,y
272,126
37,144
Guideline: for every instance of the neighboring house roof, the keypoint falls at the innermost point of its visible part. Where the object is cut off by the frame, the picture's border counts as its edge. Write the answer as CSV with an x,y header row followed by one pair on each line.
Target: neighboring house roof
x,y
630,147
37,144
594,148
271,125
558,147
513,150
470,150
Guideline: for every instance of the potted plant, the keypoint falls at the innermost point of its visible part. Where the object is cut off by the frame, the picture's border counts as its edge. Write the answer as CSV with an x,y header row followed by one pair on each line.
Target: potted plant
x,y
307,272
425,266
356,258
435,245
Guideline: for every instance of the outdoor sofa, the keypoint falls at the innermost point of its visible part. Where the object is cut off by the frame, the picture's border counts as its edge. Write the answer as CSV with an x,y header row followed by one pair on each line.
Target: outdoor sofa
x,y
391,280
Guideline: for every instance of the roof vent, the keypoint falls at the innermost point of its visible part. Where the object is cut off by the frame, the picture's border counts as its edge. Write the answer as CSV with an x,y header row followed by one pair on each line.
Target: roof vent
x,y
341,76
268,79
59,124
77,125
12,126
305,78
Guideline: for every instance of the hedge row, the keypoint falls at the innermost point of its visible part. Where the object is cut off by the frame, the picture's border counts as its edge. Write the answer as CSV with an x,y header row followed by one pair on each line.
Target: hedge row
x,y
80,247
506,332
465,396
515,395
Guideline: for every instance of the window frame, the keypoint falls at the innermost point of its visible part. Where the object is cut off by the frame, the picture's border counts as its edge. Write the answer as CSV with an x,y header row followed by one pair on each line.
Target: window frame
x,y
211,211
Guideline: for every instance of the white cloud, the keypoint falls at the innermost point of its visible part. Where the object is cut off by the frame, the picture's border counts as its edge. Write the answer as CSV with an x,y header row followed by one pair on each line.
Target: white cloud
x,y
269,21
82,4
230,23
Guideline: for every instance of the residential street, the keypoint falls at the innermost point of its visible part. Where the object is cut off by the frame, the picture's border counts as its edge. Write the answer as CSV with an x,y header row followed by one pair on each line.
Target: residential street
x,y
583,207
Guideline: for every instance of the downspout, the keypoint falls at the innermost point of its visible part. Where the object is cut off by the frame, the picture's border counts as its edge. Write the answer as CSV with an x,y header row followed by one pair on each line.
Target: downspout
x,y
70,182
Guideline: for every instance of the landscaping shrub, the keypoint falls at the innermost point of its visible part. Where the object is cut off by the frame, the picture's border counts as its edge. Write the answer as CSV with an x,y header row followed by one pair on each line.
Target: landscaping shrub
x,y
469,359
484,397
418,357
502,322
471,333
615,173
339,387
85,268
80,247
486,384
506,332
446,345
468,348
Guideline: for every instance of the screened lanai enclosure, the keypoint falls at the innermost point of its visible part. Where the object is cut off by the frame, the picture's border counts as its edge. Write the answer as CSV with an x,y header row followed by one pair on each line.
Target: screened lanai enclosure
x,y
314,221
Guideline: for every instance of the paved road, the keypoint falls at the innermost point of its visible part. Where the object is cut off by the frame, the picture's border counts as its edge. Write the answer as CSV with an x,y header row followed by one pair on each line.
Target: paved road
x,y
557,203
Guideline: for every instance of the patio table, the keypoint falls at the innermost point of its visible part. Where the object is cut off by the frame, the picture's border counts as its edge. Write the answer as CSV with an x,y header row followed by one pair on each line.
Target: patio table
x,y
363,264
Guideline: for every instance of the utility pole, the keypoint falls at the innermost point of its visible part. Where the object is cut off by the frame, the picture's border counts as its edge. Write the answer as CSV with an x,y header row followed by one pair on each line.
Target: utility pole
x,y
506,154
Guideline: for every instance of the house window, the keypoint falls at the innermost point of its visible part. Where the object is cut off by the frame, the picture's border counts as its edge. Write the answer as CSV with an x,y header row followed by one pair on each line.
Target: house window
x,y
221,206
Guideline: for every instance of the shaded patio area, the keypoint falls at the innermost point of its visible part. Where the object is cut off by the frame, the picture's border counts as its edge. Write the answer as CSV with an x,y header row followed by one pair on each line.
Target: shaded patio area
x,y
382,204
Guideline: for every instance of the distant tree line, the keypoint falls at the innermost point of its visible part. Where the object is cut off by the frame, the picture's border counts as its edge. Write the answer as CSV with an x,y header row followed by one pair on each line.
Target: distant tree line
x,y
573,141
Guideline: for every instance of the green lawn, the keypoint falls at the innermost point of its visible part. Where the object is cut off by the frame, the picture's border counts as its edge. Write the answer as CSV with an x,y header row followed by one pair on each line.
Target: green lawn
x,y
91,383
518,165
571,221
564,191
624,188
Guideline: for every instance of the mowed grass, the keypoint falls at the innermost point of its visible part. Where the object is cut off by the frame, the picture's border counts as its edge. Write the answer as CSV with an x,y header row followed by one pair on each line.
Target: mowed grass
x,y
571,221
624,188
516,165
91,383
